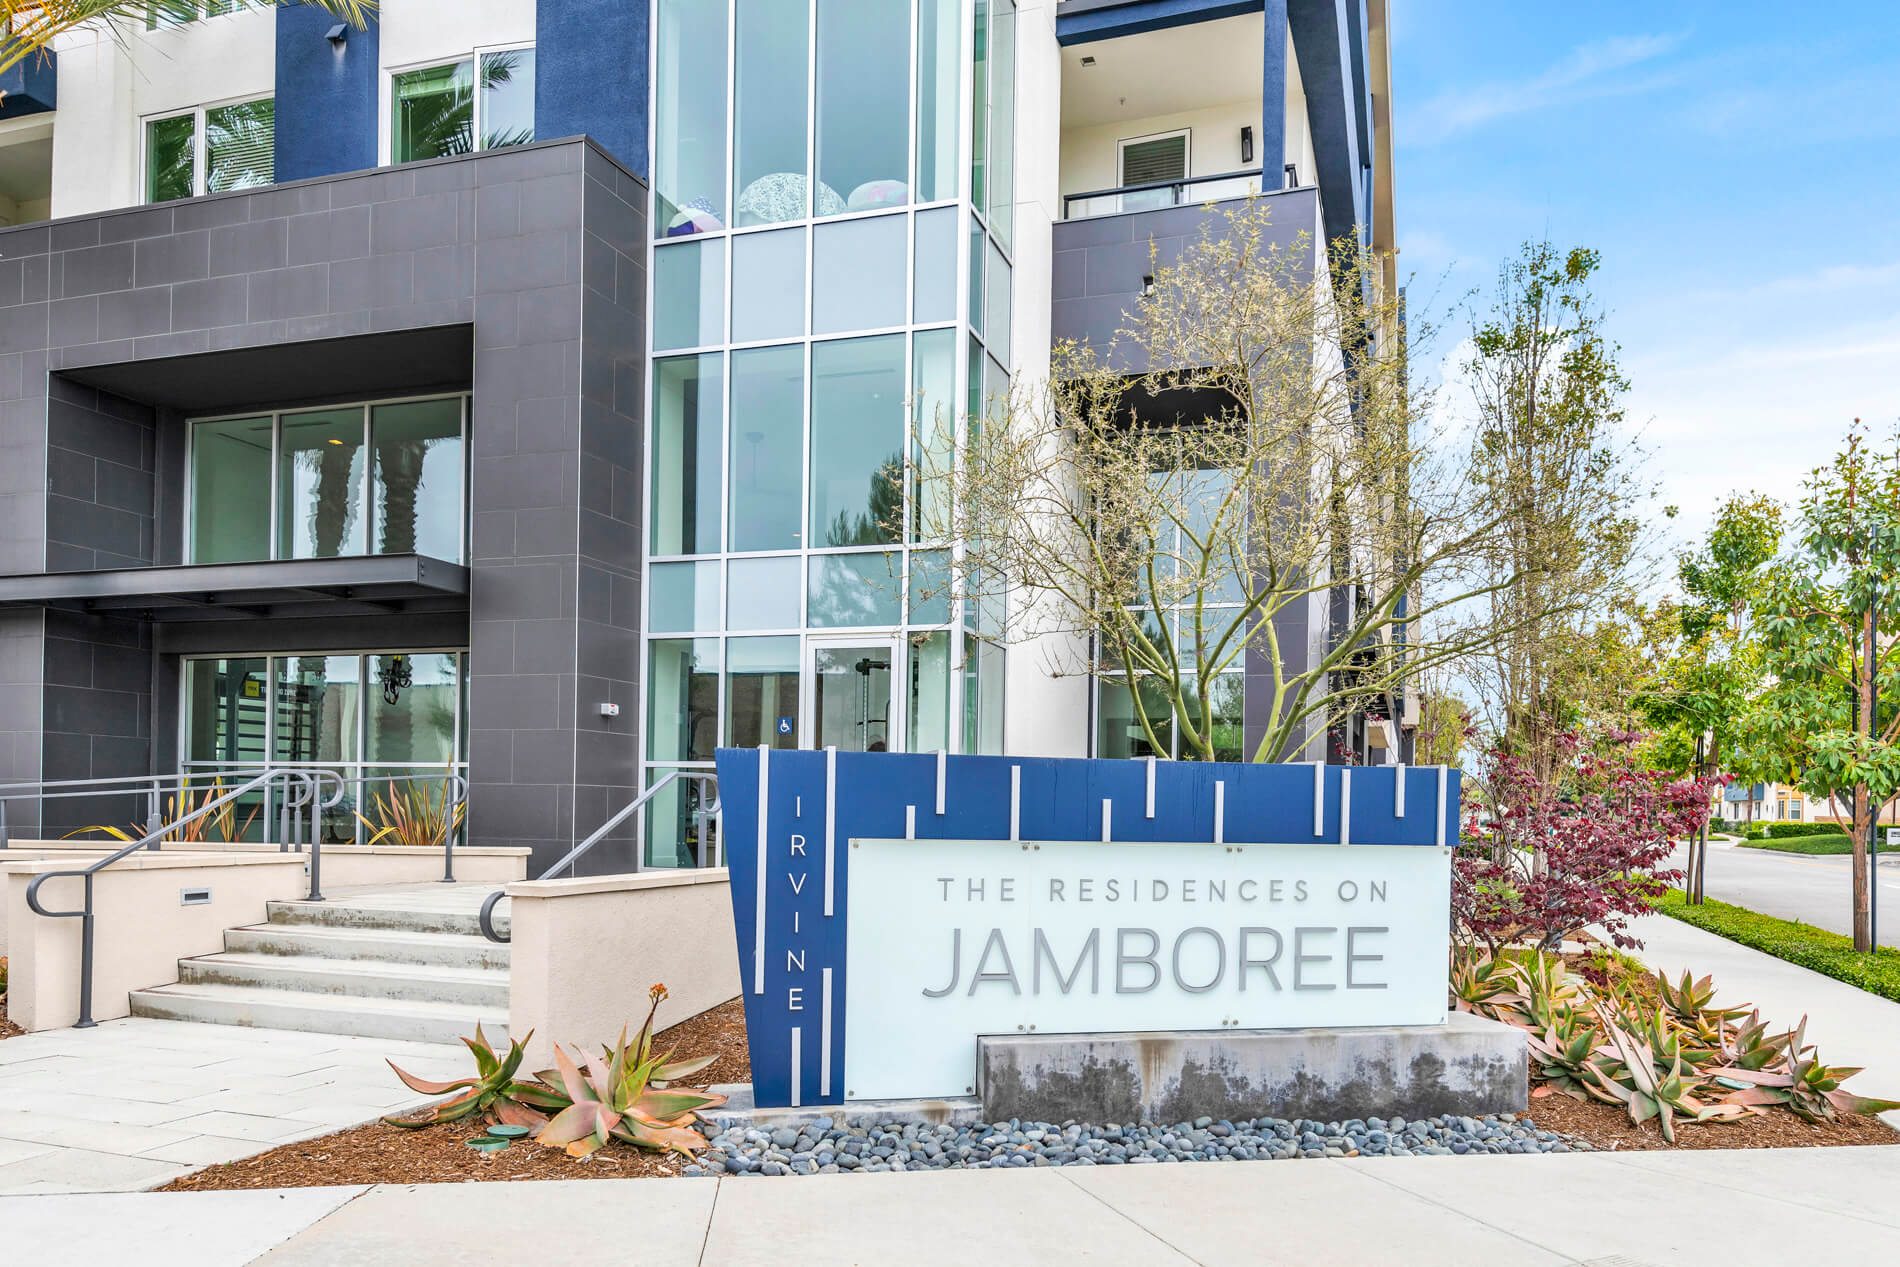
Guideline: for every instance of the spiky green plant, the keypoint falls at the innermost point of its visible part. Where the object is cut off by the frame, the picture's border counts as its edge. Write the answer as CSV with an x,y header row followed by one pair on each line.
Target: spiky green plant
x,y
626,1093
1562,1051
490,1091
410,814
1809,1089
1646,1075
1485,985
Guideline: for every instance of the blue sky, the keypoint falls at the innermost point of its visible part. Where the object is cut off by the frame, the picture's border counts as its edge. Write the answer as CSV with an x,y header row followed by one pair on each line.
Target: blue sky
x,y
1737,164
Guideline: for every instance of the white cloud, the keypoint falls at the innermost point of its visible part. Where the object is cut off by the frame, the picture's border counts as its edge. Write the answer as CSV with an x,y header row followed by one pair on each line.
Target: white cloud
x,y
1589,71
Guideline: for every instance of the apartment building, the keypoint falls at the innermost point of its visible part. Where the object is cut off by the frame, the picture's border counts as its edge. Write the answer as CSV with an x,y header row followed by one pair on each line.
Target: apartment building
x,y
509,387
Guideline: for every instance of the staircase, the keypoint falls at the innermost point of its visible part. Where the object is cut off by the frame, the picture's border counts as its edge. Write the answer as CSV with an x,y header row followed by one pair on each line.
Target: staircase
x,y
402,964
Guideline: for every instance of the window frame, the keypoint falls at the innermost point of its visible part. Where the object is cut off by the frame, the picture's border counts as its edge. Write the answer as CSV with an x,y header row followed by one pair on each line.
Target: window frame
x,y
200,146
187,532
1187,152
386,144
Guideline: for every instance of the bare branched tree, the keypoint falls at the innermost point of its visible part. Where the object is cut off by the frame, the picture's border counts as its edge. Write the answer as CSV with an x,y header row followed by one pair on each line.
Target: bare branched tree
x,y
1270,487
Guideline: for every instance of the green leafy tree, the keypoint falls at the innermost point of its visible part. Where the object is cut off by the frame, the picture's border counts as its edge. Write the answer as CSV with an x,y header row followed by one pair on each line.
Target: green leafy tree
x,y
1553,461
1820,618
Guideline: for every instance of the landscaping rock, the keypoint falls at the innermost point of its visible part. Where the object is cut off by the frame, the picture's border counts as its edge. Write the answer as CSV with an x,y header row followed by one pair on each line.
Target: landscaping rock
x,y
863,1144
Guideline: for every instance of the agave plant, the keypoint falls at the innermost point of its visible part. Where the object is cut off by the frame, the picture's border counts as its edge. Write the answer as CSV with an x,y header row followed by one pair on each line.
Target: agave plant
x,y
1809,1089
1547,990
223,820
626,1093
1562,1052
1649,1080
1485,985
493,1090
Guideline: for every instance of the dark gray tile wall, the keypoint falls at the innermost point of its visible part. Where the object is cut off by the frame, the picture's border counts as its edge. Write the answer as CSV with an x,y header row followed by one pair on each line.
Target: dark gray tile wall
x,y
539,251
100,489
1099,263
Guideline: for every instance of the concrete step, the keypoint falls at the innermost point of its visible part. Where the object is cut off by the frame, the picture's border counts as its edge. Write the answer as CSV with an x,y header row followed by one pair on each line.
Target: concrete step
x,y
417,918
356,978
385,945
393,1019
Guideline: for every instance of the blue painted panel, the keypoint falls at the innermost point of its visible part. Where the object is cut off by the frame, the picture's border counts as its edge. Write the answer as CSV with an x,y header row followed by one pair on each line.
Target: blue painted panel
x,y
326,96
32,87
1323,42
591,75
783,971
1076,24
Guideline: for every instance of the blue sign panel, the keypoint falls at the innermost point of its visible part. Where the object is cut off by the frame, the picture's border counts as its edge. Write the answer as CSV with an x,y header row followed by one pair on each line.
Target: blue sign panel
x,y
790,817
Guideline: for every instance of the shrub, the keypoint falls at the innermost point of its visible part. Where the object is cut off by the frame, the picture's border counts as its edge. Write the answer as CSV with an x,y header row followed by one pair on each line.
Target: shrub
x,y
1581,846
1790,831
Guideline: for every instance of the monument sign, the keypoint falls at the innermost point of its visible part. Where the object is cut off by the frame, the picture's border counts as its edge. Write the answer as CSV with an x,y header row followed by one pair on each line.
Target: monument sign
x,y
891,908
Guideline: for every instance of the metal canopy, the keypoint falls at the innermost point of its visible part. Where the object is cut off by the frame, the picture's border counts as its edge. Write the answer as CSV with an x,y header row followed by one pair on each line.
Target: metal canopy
x,y
367,585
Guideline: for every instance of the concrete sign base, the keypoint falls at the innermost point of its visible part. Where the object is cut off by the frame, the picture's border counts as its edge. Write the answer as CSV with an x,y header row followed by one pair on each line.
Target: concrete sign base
x,y
1468,1066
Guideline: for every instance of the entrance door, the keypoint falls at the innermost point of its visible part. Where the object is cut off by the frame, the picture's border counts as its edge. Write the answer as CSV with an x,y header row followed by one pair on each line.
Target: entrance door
x,y
849,701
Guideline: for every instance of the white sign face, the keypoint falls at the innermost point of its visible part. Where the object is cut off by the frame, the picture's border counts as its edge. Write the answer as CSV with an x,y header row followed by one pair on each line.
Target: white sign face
x,y
950,939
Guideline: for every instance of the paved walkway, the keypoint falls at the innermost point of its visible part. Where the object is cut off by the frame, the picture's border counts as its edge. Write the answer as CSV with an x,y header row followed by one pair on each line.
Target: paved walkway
x,y
1815,889
1806,1206
135,1103
1848,1025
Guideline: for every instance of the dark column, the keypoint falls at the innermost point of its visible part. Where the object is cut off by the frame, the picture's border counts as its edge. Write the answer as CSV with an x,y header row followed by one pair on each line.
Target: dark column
x,y
591,75
1273,99
326,95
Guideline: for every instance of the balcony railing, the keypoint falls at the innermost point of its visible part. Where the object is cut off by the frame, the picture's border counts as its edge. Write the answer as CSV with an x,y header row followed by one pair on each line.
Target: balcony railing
x,y
1192,191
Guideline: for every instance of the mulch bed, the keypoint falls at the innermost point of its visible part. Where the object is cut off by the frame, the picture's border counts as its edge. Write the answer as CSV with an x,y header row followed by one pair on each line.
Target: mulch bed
x,y
437,1154
1608,1127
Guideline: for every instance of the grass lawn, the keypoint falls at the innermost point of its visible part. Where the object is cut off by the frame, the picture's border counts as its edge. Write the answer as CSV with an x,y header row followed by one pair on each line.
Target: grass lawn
x,y
1830,843
1827,953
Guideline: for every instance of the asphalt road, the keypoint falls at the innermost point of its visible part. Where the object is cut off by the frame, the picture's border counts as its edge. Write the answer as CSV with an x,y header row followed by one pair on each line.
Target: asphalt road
x,y
1814,890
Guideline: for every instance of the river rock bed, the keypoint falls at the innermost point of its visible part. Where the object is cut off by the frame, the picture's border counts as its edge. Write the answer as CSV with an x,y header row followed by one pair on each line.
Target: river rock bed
x,y
861,1145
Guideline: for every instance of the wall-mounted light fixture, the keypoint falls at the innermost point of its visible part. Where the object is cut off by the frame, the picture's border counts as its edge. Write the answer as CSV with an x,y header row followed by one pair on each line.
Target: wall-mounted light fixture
x,y
338,34
1246,145
1148,285
1088,61
1292,175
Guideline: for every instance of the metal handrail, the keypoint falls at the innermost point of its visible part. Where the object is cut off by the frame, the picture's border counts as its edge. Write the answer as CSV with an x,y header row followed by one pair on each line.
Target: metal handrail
x,y
455,780
1185,182
148,785
707,811
301,790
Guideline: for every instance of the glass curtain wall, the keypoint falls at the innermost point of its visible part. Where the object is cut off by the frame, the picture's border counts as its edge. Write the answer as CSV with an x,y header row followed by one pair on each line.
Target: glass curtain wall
x,y
819,216
389,723
382,478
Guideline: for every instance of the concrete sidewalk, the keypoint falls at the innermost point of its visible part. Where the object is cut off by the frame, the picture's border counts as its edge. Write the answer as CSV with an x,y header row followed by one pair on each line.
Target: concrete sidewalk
x,y
1848,1025
1806,1206
135,1103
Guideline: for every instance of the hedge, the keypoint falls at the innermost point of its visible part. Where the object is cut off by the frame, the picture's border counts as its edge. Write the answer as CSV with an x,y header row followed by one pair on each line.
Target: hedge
x,y
1827,953
1839,842
1789,831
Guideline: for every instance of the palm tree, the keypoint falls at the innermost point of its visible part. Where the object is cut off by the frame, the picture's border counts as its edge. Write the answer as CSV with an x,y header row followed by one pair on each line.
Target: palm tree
x,y
31,28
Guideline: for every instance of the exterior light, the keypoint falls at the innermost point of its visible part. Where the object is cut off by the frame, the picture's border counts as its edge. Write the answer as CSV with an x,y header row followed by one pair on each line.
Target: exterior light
x,y
1148,285
338,34
1088,61
1246,145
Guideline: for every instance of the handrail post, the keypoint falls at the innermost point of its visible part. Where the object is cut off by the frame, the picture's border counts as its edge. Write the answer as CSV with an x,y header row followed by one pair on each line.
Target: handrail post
x,y
451,800
85,1020
153,818
3,824
316,848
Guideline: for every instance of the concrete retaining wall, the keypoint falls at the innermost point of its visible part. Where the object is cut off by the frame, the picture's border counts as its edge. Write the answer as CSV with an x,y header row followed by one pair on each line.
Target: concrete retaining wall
x,y
142,928
1468,1066
586,950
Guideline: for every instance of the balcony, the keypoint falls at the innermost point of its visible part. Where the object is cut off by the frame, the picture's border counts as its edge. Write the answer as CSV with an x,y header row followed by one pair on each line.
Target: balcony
x,y
1105,258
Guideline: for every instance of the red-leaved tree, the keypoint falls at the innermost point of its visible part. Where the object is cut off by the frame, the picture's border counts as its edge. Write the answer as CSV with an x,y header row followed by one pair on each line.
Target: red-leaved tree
x,y
1578,849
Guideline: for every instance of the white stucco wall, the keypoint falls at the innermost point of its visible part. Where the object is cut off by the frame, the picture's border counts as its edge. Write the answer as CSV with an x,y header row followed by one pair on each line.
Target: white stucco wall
x,y
1089,154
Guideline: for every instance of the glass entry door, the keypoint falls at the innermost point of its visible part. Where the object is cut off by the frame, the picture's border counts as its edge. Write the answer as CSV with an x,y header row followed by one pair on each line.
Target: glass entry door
x,y
850,703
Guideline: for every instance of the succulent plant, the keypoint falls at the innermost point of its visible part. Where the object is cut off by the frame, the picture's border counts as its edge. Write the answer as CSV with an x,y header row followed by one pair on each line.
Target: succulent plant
x,y
491,1090
1649,1080
1809,1089
626,1093
1486,986
1562,1052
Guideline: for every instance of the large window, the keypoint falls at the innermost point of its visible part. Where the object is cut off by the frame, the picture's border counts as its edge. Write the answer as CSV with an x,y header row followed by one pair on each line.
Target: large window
x,y
210,150
381,478
378,719
482,102
689,135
